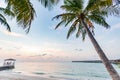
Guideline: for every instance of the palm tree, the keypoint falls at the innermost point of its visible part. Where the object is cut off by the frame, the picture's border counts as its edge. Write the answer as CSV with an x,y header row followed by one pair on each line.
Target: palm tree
x,y
82,18
2,17
25,12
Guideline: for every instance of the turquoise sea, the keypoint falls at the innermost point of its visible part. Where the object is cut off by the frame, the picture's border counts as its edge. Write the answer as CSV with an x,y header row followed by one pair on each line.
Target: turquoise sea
x,y
63,70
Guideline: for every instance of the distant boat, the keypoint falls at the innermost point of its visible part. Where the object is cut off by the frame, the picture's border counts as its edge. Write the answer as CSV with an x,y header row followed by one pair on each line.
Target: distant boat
x,y
8,64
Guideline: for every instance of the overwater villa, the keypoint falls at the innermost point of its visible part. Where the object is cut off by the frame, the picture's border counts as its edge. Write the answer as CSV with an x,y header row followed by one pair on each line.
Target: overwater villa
x,y
8,64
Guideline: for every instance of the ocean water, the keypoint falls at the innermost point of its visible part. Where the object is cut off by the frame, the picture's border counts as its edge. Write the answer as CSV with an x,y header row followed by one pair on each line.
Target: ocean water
x,y
63,70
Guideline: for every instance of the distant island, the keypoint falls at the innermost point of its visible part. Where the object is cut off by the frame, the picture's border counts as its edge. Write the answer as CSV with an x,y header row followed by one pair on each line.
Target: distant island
x,y
117,61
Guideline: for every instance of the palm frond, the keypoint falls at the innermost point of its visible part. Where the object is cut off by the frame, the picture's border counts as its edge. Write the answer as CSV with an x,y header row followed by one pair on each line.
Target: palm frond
x,y
70,31
7,12
97,4
23,10
72,5
64,15
78,3
101,12
70,8
72,28
112,10
79,30
70,20
2,17
99,20
49,3
4,22
83,34
60,23
91,3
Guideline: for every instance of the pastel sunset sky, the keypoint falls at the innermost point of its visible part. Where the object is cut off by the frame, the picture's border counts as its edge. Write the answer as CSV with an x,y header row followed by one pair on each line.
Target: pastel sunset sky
x,y
44,43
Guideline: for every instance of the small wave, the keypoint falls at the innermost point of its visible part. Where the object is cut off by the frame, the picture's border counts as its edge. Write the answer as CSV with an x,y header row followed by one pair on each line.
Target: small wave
x,y
69,74
18,72
66,73
39,73
100,76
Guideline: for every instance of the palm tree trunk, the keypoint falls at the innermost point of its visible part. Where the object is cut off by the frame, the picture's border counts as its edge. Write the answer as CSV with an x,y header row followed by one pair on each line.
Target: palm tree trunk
x,y
113,73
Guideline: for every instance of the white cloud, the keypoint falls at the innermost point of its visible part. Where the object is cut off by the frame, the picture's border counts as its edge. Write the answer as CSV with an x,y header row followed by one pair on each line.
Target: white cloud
x,y
116,26
11,43
13,34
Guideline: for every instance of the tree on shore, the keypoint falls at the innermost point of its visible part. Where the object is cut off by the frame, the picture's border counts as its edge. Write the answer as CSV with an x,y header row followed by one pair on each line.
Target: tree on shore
x,y
81,20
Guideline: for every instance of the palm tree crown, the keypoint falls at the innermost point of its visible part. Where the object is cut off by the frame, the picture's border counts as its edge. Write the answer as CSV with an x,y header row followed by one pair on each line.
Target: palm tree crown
x,y
94,12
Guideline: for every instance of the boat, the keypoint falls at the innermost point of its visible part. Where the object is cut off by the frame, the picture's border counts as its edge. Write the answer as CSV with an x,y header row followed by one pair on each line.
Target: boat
x,y
8,64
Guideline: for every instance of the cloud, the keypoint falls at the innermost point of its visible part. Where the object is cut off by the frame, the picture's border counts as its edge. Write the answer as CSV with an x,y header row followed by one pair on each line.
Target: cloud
x,y
116,26
44,54
0,48
17,47
78,49
13,34
11,42
18,55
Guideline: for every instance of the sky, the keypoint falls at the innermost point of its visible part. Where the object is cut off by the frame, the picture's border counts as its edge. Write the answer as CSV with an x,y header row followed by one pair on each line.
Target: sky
x,y
44,43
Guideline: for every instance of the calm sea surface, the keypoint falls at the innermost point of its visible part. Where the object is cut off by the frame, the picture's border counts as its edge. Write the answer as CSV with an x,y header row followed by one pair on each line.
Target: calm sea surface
x,y
63,70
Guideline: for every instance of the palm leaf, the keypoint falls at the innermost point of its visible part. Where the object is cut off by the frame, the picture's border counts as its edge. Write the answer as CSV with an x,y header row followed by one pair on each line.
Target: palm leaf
x,y
2,17
24,12
60,23
97,4
101,12
4,22
112,10
67,15
70,19
73,5
7,12
79,30
83,34
99,20
78,3
72,28
49,3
